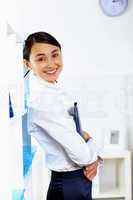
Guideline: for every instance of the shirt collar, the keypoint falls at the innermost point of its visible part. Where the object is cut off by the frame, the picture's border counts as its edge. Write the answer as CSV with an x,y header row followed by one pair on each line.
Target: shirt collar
x,y
45,83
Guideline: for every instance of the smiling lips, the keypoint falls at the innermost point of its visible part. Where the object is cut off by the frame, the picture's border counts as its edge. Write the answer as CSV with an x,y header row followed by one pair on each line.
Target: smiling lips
x,y
51,72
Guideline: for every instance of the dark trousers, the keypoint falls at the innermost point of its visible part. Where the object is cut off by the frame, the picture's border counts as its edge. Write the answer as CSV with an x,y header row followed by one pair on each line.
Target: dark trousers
x,y
71,185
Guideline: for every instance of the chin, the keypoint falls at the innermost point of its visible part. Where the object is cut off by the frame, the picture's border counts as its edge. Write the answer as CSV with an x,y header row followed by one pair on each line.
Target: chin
x,y
51,80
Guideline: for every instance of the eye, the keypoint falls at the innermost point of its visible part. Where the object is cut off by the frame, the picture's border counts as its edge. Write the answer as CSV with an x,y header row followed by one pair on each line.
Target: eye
x,y
41,59
55,55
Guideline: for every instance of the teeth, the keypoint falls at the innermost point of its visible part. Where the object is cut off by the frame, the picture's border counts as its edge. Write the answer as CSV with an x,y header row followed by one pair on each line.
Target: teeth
x,y
51,72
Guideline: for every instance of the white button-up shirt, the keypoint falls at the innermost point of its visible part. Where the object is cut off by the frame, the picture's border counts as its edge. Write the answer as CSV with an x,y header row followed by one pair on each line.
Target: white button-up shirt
x,y
53,127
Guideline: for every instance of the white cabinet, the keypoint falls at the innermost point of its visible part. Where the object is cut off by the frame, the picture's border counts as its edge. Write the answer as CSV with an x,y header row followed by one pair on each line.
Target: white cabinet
x,y
121,186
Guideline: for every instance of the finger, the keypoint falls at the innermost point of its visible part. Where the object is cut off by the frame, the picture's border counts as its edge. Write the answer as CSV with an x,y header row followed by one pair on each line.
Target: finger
x,y
92,177
92,173
90,168
86,176
85,173
92,165
89,176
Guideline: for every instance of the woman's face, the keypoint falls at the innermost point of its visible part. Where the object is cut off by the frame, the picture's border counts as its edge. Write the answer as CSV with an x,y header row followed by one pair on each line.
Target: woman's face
x,y
46,61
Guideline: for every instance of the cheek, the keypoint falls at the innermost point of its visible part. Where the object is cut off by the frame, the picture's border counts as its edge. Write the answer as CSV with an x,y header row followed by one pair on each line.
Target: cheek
x,y
38,66
59,71
60,65
59,61
36,69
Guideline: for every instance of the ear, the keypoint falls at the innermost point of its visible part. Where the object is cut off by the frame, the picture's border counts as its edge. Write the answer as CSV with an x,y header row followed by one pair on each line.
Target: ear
x,y
26,64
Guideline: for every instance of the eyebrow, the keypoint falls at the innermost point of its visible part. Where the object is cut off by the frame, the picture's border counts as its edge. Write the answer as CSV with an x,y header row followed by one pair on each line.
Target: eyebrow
x,y
43,54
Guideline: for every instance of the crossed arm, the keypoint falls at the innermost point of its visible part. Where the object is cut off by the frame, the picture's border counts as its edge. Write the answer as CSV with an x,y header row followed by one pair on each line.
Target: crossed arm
x,y
63,131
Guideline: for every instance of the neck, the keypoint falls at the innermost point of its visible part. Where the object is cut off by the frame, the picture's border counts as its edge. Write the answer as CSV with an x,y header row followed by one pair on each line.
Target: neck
x,y
52,82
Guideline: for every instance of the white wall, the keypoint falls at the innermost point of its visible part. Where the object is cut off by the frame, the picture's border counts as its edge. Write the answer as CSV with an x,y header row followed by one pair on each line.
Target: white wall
x,y
92,42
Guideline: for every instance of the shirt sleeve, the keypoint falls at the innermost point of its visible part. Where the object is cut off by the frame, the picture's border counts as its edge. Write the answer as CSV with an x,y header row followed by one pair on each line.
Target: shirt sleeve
x,y
94,148
61,130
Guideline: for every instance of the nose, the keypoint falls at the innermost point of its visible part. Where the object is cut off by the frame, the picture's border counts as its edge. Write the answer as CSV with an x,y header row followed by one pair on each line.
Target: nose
x,y
50,63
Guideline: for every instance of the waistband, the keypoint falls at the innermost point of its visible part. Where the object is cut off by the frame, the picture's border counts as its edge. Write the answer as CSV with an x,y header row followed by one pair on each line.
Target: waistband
x,y
67,174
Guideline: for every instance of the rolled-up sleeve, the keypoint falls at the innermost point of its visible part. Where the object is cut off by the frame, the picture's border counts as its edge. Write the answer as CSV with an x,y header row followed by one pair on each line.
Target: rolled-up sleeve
x,y
59,128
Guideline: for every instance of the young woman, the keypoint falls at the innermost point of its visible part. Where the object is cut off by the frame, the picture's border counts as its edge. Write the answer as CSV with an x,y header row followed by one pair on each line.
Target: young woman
x,y
72,159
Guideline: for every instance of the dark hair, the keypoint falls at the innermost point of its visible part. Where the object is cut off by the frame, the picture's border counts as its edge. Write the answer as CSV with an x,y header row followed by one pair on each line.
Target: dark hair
x,y
40,37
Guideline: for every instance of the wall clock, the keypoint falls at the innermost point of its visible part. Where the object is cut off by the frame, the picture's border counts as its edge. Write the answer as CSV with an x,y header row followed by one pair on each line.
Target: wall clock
x,y
113,7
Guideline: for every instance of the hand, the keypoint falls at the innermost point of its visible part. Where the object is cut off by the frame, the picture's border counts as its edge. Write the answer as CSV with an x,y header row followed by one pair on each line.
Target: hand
x,y
86,136
90,170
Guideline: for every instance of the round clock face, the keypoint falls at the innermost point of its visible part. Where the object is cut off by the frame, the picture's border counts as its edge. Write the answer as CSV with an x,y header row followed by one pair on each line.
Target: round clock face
x,y
113,7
